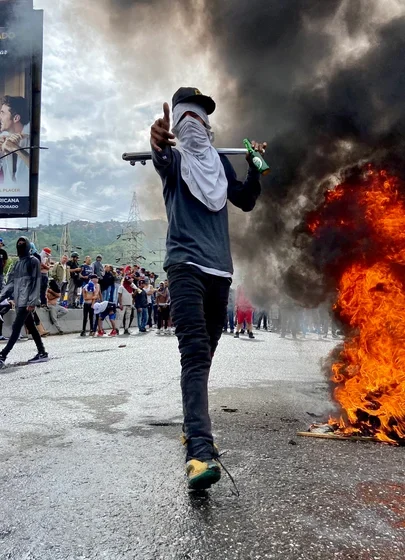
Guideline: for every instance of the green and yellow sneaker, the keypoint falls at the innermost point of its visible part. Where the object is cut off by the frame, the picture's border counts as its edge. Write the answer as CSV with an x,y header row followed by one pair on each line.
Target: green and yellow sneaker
x,y
202,474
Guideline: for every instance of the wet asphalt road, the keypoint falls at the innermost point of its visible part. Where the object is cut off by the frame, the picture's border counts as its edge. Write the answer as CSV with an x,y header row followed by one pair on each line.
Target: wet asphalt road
x,y
91,466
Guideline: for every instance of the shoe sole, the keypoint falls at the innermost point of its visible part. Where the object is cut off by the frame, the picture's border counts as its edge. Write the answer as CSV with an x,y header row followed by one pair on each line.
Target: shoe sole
x,y
42,360
205,480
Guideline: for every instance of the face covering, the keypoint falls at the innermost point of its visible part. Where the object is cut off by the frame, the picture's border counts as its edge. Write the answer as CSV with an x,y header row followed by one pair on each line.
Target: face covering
x,y
22,249
193,135
201,167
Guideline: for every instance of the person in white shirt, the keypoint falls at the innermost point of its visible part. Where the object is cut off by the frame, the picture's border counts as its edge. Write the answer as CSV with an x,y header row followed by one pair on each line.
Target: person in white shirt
x,y
126,301
14,134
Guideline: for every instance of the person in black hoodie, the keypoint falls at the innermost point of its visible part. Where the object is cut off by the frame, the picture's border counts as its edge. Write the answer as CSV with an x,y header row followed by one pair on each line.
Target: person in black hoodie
x,y
23,286
197,183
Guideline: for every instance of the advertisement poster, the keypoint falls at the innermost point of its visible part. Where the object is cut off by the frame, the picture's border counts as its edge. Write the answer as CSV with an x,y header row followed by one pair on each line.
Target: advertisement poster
x,y
18,163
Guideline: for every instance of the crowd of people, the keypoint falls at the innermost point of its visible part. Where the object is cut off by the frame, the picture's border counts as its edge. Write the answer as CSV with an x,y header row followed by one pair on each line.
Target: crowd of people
x,y
104,293
117,296
283,316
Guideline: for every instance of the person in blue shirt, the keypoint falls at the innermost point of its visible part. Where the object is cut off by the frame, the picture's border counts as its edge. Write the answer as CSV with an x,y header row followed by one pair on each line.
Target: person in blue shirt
x,y
103,310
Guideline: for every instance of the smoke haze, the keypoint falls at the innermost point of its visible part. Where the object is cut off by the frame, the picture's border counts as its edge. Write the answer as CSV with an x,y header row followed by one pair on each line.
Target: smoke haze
x,y
322,82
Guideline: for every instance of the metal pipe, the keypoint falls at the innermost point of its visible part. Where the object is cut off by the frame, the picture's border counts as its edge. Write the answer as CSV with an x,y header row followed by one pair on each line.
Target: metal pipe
x,y
143,157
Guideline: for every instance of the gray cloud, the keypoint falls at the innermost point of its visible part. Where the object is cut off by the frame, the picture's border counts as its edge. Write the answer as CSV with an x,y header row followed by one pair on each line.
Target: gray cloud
x,y
108,67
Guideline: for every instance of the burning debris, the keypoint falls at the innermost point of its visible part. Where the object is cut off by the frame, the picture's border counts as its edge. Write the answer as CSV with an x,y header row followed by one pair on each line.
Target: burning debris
x,y
358,243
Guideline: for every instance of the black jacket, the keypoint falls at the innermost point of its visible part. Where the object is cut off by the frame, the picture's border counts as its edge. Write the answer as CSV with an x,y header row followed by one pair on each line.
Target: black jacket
x,y
107,280
141,300
195,234
24,281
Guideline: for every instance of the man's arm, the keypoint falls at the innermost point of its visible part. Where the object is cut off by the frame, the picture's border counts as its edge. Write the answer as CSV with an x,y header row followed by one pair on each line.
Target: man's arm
x,y
33,297
50,294
243,195
5,259
96,294
163,161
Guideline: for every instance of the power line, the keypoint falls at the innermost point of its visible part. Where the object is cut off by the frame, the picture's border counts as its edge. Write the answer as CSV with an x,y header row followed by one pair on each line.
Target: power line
x,y
70,203
54,207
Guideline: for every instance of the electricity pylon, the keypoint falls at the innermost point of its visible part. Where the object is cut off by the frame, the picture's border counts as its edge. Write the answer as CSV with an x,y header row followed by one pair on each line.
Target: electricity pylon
x,y
132,237
65,242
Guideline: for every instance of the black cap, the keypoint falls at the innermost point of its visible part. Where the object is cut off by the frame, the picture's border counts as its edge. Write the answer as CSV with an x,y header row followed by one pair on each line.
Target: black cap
x,y
193,95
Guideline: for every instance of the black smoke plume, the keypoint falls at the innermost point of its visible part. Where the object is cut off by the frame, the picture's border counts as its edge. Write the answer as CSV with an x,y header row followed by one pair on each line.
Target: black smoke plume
x,y
323,82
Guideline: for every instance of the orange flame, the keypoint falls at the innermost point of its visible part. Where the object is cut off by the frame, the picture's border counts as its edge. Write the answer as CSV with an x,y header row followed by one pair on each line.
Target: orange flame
x,y
369,376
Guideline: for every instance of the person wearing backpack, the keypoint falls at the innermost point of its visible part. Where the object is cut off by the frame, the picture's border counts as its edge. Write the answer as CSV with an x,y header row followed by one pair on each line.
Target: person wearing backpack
x,y
24,286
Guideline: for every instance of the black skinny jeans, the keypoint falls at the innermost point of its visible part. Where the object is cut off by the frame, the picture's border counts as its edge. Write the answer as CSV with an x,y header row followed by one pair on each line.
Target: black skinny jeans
x,y
88,313
150,315
23,317
199,304
44,287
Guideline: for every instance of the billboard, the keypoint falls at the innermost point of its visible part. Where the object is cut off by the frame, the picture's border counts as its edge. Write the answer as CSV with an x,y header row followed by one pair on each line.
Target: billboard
x,y
21,29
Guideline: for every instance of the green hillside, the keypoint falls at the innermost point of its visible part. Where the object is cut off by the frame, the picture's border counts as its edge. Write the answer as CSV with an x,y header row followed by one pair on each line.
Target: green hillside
x,y
90,238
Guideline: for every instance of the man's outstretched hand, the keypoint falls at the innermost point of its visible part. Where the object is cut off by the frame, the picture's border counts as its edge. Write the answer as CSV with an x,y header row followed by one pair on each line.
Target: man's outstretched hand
x,y
160,135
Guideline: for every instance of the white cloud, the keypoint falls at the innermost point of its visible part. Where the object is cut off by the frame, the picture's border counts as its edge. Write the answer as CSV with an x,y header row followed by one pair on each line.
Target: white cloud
x,y
101,92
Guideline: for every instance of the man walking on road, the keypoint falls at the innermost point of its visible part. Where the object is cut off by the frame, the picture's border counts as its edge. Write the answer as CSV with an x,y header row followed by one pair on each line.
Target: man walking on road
x,y
24,287
197,182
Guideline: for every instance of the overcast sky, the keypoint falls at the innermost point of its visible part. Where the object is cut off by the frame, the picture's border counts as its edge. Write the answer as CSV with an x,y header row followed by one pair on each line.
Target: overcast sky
x,y
106,73
102,89
101,92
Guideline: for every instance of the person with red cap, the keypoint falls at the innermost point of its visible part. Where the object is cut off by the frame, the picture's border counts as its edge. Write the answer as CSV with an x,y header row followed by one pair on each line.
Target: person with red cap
x,y
197,183
46,254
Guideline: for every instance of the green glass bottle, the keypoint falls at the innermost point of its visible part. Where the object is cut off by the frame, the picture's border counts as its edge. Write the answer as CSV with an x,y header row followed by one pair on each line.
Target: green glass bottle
x,y
257,158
